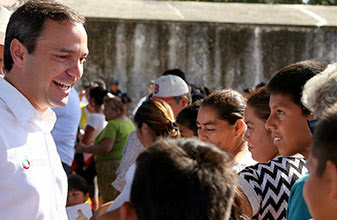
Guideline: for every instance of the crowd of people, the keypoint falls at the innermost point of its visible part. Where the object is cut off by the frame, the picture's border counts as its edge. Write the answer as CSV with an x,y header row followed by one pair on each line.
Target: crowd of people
x,y
184,152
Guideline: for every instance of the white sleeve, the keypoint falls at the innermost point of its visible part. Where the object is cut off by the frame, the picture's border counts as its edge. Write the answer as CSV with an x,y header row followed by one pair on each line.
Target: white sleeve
x,y
94,121
250,193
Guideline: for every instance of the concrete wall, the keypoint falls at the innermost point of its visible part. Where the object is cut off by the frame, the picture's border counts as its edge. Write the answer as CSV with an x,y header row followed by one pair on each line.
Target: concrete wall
x,y
215,52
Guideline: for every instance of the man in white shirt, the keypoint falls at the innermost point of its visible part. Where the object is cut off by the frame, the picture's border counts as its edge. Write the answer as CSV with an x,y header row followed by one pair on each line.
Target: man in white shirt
x,y
45,47
4,17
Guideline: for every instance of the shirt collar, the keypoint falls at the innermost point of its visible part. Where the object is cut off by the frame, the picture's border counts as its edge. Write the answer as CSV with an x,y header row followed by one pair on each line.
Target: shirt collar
x,y
21,107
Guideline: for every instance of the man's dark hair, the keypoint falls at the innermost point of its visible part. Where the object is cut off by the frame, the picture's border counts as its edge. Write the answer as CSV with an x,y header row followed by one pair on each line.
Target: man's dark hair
x,y
27,24
291,79
183,179
228,104
188,117
324,144
76,182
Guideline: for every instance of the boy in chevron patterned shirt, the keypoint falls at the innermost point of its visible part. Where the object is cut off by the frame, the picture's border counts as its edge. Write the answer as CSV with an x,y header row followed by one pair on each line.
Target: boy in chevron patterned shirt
x,y
267,185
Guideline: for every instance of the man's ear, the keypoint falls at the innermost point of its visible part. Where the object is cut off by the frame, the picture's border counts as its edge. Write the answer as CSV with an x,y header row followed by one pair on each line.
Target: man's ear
x,y
128,212
18,51
239,127
184,101
331,170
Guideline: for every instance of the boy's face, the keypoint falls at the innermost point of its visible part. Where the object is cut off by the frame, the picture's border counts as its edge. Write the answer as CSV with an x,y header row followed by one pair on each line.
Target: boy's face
x,y
76,197
288,125
316,192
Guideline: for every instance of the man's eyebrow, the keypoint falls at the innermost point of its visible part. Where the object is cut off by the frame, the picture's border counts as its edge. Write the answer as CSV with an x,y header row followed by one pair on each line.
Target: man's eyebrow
x,y
65,50
248,122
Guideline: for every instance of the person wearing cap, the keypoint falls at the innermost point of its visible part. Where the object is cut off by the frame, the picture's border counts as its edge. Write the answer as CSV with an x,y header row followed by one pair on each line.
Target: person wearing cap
x,y
173,90
114,88
42,65
4,17
198,182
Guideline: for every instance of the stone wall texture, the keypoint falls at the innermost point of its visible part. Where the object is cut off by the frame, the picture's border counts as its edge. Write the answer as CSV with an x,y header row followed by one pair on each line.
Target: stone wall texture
x,y
213,53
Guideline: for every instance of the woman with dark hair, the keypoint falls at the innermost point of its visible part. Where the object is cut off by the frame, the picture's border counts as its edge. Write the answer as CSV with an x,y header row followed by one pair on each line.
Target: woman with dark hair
x,y
108,146
154,118
220,121
260,142
266,185
96,120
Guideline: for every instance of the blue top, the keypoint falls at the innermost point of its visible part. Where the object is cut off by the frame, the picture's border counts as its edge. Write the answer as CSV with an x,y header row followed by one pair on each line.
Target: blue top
x,y
297,208
65,129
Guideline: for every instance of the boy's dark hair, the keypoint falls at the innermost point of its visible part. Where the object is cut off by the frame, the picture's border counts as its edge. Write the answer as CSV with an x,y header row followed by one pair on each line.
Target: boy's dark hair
x,y
228,104
76,182
291,79
98,93
188,117
27,24
324,144
183,179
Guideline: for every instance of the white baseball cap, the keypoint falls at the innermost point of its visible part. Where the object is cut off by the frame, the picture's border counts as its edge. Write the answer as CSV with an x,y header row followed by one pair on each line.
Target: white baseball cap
x,y
4,18
168,86
125,194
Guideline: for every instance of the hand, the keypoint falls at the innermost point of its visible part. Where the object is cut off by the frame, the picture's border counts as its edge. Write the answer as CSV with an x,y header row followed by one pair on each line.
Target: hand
x,y
79,148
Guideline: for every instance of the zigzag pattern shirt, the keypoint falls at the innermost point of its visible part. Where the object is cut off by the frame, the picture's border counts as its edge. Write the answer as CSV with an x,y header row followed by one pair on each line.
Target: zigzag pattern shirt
x,y
267,185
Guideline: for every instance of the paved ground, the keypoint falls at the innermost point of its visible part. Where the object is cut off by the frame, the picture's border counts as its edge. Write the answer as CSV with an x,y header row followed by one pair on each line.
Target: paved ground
x,y
301,15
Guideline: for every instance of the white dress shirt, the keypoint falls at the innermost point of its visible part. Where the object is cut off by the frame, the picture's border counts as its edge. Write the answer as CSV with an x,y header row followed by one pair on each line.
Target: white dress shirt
x,y
33,185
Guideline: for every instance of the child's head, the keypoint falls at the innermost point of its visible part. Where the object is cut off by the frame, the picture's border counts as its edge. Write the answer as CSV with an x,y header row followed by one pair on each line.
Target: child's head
x,y
320,190
288,117
78,190
187,120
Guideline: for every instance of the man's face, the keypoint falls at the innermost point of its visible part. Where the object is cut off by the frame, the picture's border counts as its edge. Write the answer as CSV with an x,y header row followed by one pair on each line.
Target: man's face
x,y
56,64
177,107
316,192
114,88
288,125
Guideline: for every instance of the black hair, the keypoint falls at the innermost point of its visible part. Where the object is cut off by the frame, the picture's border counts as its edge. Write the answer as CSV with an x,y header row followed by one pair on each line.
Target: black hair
x,y
98,93
76,182
188,117
176,72
183,179
228,104
291,79
27,24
